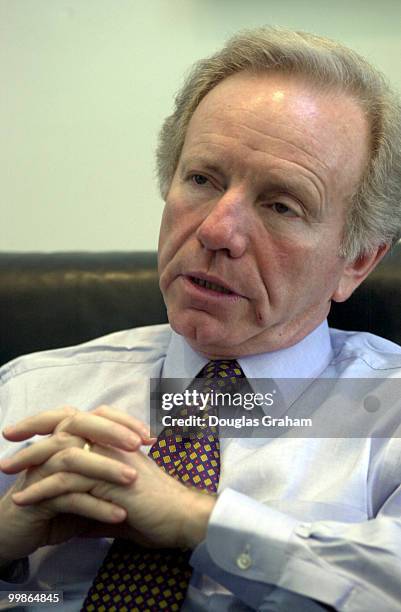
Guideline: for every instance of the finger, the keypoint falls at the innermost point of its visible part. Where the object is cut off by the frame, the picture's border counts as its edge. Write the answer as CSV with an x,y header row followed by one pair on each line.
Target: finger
x,y
42,424
83,424
101,431
38,453
70,459
85,505
46,422
125,419
92,465
52,486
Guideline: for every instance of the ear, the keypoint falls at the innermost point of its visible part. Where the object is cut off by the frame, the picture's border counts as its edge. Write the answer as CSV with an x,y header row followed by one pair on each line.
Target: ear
x,y
356,271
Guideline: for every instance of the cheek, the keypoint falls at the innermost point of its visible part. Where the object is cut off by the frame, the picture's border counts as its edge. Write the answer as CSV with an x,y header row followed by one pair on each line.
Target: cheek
x,y
282,258
289,264
176,240
165,225
170,230
315,274
179,223
163,241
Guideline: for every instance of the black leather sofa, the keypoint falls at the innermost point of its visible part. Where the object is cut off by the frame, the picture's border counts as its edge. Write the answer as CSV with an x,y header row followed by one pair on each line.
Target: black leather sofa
x,y
58,299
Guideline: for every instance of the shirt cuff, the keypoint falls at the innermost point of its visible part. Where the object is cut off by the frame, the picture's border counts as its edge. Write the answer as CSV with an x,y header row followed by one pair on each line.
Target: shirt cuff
x,y
253,548
237,528
235,553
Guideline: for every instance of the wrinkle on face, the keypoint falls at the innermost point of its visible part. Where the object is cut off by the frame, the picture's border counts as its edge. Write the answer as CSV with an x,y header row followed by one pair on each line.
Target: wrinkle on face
x,y
347,125
227,156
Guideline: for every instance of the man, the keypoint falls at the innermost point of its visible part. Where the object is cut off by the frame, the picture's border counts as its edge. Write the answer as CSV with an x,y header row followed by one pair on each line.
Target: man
x,y
280,169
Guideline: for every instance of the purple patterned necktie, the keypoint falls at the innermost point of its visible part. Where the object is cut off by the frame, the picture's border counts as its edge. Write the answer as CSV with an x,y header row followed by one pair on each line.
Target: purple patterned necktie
x,y
132,578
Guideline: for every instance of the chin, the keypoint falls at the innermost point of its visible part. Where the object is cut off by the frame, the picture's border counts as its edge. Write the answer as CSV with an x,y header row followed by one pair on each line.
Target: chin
x,y
200,329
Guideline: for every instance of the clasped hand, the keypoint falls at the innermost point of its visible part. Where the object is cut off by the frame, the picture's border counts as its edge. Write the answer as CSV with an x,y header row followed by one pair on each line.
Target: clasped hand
x,y
113,490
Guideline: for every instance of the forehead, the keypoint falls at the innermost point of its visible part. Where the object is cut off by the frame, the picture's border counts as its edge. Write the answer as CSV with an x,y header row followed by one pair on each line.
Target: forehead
x,y
286,117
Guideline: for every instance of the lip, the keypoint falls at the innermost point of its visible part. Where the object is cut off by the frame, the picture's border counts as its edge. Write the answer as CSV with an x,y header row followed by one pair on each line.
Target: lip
x,y
233,296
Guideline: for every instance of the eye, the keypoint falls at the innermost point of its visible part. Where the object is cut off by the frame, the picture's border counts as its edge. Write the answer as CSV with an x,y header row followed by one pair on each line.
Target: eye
x,y
284,210
199,179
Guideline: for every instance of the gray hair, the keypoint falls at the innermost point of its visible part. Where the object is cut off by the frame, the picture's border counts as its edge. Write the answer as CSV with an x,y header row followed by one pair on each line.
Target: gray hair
x,y
374,214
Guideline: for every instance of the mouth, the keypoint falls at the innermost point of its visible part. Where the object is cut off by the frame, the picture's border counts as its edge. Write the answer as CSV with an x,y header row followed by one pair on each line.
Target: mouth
x,y
201,282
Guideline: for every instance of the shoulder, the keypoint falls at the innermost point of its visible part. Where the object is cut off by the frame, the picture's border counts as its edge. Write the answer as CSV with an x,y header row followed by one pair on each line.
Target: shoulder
x,y
142,345
365,352
114,369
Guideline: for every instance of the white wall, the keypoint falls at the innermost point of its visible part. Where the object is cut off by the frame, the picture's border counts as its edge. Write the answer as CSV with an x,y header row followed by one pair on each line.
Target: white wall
x,y
85,85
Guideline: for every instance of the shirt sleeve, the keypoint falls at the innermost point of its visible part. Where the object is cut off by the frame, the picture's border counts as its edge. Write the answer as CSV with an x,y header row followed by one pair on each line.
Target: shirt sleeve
x,y
256,549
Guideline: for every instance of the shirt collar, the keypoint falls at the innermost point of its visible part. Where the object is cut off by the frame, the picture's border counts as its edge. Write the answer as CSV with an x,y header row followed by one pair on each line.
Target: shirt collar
x,y
287,372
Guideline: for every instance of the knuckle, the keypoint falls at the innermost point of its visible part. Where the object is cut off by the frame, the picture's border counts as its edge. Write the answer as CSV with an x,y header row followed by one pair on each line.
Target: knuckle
x,y
101,490
78,418
72,416
67,456
69,410
63,480
62,438
101,410
72,502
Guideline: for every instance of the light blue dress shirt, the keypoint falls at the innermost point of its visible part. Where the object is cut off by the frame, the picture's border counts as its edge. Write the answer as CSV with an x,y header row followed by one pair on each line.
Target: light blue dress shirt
x,y
296,520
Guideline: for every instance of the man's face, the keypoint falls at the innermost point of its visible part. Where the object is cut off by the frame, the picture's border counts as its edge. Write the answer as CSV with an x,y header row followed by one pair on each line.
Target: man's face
x,y
254,218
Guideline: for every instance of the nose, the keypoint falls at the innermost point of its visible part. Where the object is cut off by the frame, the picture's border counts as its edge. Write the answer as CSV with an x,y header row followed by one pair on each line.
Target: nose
x,y
226,225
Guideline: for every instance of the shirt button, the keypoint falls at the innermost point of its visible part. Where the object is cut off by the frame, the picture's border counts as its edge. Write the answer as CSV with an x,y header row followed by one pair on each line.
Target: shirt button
x,y
244,561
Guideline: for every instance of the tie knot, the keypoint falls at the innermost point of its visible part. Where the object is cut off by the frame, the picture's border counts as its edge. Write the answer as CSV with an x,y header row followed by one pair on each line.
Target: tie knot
x,y
223,370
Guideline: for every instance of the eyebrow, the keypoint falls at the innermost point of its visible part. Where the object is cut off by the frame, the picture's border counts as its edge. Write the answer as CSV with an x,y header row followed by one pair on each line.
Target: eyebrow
x,y
202,161
305,187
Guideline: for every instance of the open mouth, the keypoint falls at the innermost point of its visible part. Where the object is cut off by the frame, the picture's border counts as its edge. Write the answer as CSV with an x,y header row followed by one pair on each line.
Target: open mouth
x,y
208,285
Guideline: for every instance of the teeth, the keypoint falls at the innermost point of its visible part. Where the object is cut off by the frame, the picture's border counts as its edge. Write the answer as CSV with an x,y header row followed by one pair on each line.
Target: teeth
x,y
208,285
